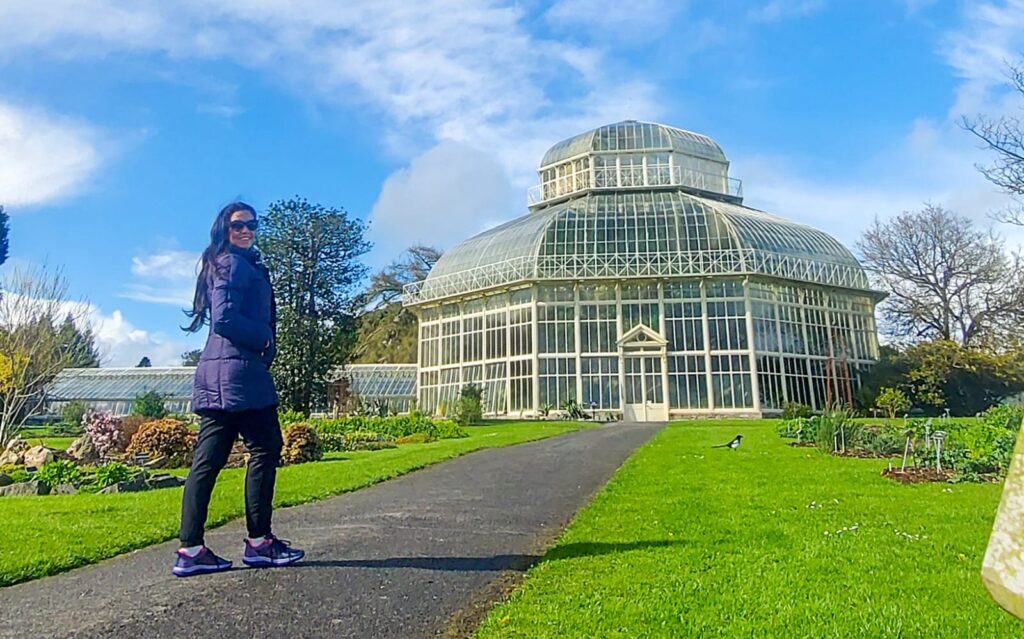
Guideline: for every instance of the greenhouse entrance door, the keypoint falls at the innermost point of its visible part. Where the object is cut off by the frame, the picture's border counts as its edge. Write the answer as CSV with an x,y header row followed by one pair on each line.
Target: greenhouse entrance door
x,y
642,356
644,399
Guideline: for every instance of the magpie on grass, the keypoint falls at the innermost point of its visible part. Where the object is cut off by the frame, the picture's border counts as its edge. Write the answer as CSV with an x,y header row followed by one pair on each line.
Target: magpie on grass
x,y
733,445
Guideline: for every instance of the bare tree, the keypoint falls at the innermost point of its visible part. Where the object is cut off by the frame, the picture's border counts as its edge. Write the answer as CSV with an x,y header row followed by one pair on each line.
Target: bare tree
x,y
1005,137
413,265
33,303
945,278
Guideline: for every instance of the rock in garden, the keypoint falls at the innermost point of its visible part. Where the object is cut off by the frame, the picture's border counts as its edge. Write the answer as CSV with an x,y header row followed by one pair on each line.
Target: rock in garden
x,y
83,450
5,480
17,445
156,462
165,481
10,457
64,489
25,488
36,456
134,485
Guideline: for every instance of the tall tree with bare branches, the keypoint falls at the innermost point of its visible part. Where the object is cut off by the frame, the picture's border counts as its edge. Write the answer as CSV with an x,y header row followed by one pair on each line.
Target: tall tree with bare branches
x,y
33,303
946,279
1004,136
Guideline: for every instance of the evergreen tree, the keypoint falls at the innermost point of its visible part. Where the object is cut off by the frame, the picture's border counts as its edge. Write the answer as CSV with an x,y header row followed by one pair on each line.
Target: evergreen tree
x,y
144,363
313,255
79,344
4,230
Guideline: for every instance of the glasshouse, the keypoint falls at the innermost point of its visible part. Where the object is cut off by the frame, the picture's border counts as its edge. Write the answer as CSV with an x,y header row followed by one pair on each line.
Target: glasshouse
x,y
115,389
639,285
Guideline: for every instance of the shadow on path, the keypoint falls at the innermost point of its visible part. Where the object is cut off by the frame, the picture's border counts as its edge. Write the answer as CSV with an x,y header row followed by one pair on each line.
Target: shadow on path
x,y
496,563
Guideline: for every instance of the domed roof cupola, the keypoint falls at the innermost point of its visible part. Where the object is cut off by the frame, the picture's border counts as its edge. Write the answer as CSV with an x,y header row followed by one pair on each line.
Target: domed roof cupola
x,y
630,155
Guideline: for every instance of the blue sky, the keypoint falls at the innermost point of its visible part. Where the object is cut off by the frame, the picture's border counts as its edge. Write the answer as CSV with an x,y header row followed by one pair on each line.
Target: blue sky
x,y
124,126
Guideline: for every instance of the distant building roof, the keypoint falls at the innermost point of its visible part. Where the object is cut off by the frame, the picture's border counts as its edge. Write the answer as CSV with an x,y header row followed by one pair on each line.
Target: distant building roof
x,y
120,384
380,380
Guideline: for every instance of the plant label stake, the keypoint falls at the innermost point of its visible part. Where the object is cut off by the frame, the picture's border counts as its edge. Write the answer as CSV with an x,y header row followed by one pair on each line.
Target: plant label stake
x,y
1003,568
906,451
928,433
938,437
799,435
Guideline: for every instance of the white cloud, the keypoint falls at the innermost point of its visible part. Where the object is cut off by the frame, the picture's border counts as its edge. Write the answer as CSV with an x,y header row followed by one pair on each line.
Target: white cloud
x,y
777,10
991,36
121,343
168,277
438,70
172,265
43,157
447,194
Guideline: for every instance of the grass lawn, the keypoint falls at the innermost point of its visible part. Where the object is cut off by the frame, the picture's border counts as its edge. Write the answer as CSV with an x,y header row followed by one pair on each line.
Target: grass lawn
x,y
686,541
46,535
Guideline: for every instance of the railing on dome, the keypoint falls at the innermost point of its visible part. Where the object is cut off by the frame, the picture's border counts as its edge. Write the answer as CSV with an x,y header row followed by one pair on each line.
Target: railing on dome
x,y
663,264
653,176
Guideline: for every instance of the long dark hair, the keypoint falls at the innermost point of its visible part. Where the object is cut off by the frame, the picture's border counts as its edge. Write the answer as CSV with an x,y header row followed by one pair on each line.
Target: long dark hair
x,y
200,313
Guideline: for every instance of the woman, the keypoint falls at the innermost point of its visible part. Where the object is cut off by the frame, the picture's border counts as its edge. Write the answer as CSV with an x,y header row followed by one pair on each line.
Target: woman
x,y
234,394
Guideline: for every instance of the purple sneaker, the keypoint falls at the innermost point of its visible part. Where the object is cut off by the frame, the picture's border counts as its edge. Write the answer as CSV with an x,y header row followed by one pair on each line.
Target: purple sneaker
x,y
272,552
204,562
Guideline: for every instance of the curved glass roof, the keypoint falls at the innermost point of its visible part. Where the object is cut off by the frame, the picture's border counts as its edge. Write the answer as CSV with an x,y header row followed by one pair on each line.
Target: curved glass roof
x,y
116,384
640,234
631,135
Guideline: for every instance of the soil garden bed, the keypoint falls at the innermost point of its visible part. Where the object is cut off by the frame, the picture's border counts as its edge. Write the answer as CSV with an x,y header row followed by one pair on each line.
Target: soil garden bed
x,y
860,453
915,475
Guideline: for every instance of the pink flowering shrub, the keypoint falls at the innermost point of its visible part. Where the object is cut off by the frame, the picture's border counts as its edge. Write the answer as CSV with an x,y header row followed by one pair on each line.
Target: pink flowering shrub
x,y
105,431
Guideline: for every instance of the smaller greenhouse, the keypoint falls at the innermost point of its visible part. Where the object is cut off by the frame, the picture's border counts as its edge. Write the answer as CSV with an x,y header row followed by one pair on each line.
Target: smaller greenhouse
x,y
115,389
367,387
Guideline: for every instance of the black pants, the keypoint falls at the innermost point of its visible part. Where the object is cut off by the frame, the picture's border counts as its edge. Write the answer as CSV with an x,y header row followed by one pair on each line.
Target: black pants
x,y
218,431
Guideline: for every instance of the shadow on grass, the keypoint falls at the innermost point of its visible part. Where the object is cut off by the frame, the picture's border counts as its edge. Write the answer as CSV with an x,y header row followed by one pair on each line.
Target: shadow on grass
x,y
496,563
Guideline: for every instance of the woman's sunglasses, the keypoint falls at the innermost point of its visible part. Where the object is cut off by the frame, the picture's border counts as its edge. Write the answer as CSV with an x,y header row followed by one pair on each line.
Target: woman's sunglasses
x,y
238,225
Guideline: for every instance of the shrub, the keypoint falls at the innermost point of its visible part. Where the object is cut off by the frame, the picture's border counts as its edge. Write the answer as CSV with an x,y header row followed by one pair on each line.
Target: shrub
x,y
834,428
19,475
167,438
289,417
391,427
573,409
130,424
892,401
795,410
61,471
74,412
415,438
105,431
332,442
301,444
469,408
149,404
111,473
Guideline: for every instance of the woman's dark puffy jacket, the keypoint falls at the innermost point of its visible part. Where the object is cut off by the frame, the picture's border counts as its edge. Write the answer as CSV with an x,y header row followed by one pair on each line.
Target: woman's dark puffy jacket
x,y
234,370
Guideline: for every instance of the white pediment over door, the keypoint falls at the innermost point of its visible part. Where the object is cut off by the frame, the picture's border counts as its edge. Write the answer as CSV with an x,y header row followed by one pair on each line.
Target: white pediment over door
x,y
642,337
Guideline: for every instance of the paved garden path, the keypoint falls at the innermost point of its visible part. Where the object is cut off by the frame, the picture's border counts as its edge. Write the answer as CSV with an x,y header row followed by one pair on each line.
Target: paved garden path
x,y
411,557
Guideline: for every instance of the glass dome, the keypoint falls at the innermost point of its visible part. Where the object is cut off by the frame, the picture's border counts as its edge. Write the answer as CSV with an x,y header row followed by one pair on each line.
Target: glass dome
x,y
641,234
631,135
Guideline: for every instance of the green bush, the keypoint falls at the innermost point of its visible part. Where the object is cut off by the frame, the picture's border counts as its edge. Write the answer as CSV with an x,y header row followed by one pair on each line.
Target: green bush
x,y
111,473
832,428
469,408
73,413
332,442
391,427
289,417
61,471
795,410
16,472
149,404
415,438
573,409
